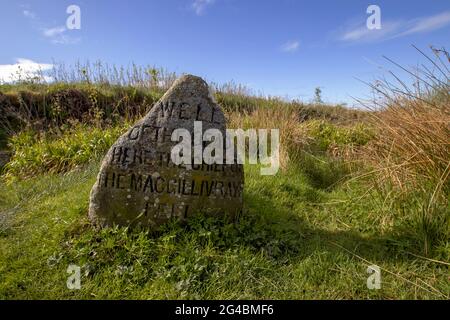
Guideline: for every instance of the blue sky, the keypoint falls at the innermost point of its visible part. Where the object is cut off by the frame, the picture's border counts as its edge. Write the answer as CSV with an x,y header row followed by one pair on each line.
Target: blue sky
x,y
284,47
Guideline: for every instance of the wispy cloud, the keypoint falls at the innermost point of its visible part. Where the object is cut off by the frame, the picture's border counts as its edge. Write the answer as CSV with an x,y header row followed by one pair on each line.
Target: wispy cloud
x,y
364,34
199,6
428,24
53,32
290,46
24,69
29,14
56,35
394,28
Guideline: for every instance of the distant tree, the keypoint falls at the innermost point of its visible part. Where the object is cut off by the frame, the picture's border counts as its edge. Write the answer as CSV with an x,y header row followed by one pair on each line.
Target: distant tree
x,y
318,96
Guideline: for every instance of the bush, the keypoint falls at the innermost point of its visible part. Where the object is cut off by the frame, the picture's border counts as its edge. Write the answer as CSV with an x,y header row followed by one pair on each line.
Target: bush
x,y
327,134
50,106
35,153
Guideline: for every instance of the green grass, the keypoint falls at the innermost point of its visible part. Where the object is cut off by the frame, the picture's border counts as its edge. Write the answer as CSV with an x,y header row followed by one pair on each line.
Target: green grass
x,y
328,134
42,152
309,232
294,241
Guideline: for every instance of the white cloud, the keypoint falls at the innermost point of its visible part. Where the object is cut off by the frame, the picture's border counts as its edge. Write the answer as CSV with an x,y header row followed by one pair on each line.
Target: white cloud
x,y
394,29
290,46
58,35
428,24
29,14
52,32
199,6
24,69
363,34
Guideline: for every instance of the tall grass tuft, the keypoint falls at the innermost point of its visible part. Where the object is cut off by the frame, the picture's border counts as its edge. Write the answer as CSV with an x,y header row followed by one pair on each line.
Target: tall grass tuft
x,y
411,154
315,146
283,118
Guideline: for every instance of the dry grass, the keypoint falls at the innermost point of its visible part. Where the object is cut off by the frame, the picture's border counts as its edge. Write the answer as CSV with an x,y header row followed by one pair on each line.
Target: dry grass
x,y
410,156
292,135
301,132
413,145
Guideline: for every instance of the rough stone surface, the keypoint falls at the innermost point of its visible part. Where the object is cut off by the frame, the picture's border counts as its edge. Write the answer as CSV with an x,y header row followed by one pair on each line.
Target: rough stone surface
x,y
139,185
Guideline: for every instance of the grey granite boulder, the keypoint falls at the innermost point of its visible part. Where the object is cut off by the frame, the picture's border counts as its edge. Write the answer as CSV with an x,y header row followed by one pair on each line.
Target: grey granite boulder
x,y
139,185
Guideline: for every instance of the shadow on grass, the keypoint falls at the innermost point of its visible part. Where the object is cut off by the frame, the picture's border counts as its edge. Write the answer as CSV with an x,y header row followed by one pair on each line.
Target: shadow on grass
x,y
273,231
292,236
195,258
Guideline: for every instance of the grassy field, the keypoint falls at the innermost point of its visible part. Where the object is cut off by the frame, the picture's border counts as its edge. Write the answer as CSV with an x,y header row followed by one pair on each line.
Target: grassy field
x,y
295,241
356,189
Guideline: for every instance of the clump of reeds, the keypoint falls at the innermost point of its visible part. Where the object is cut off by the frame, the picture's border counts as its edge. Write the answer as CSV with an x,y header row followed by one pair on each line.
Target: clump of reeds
x,y
413,141
411,153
